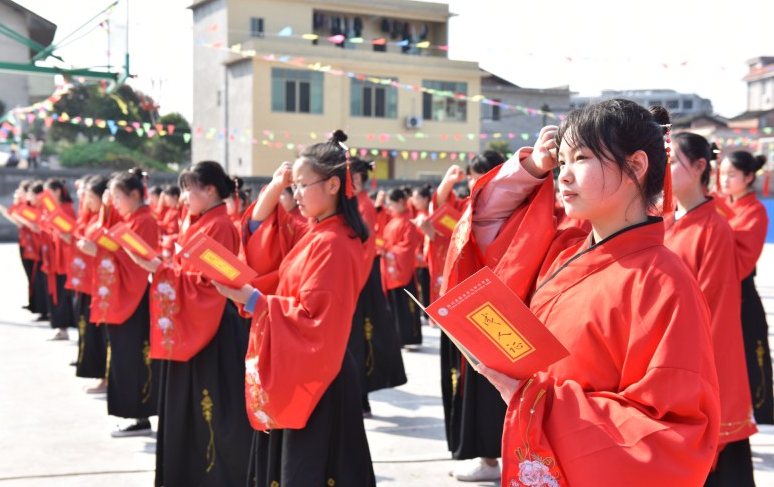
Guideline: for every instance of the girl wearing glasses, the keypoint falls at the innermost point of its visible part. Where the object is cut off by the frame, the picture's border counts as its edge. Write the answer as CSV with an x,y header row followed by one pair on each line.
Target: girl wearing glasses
x,y
302,385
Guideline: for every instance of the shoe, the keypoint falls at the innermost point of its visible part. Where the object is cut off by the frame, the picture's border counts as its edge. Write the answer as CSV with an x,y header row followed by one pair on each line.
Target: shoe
x,y
41,318
60,335
96,390
367,414
480,472
141,428
74,363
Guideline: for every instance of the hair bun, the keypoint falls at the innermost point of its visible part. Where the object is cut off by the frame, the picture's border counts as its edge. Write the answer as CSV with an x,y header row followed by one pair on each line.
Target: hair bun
x,y
661,114
338,136
137,172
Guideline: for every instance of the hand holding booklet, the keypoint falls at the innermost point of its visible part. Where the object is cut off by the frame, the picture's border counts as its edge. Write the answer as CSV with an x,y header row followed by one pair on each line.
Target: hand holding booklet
x,y
491,325
132,242
216,262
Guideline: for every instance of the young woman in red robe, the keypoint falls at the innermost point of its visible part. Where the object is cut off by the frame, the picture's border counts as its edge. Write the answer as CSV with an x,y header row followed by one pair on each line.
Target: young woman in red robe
x,y
473,410
92,346
27,243
204,435
702,238
373,342
36,248
121,301
310,408
420,204
59,250
636,402
401,241
750,224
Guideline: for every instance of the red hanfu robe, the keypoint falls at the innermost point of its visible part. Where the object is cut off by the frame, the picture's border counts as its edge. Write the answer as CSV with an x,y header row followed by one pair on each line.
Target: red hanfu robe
x,y
81,272
169,226
750,224
368,213
299,335
265,249
186,309
401,239
636,402
705,242
119,283
438,247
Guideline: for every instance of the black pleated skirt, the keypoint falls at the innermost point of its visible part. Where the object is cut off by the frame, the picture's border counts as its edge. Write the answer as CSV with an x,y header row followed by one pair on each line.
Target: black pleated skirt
x,y
423,285
734,467
39,290
28,266
132,376
332,450
204,436
62,311
406,314
755,332
373,342
474,411
92,342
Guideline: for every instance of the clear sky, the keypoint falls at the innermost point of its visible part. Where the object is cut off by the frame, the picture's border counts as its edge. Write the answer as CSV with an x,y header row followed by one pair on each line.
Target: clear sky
x,y
694,46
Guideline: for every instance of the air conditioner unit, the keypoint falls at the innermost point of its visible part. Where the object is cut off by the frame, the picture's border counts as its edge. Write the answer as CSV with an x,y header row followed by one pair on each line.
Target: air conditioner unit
x,y
413,122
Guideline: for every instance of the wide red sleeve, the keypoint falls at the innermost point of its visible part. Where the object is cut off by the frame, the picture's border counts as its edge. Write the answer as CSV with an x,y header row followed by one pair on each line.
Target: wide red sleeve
x,y
186,309
265,248
297,342
401,241
750,233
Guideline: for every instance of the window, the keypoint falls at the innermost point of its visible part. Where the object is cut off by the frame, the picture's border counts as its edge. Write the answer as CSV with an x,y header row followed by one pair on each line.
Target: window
x,y
256,27
673,104
653,103
687,104
490,112
373,100
295,90
443,105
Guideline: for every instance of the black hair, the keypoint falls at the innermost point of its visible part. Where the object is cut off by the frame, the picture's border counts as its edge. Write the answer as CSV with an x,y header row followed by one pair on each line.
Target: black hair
x,y
288,190
208,173
747,163
696,147
397,194
128,181
24,184
328,160
36,187
614,130
485,162
59,185
96,184
360,166
425,191
171,190
155,190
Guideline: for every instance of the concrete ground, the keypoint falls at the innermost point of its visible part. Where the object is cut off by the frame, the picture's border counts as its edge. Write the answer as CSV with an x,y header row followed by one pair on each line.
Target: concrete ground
x,y
54,434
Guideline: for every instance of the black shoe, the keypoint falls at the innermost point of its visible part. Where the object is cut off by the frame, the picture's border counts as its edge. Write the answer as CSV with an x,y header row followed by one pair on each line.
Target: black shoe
x,y
41,318
74,363
141,428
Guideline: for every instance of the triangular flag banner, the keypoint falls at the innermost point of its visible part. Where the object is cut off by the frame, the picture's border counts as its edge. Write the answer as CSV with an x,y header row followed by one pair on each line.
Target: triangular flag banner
x,y
285,32
337,39
112,126
171,129
187,137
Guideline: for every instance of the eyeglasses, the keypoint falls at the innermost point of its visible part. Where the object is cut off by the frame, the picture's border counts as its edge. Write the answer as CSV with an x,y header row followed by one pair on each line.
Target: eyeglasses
x,y
301,188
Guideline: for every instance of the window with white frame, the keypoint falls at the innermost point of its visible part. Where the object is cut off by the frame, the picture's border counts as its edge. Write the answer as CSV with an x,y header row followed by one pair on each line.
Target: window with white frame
x,y
299,91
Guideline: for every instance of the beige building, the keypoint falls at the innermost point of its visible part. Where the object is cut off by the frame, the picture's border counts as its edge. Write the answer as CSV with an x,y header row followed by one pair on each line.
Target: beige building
x,y
247,107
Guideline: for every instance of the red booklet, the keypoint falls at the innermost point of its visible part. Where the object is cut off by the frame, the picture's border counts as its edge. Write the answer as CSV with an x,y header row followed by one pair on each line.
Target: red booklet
x,y
216,262
60,220
444,219
491,325
48,201
106,242
28,213
131,242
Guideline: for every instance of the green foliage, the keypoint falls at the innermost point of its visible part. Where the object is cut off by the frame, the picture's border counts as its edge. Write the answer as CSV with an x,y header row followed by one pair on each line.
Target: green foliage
x,y
107,154
501,146
161,149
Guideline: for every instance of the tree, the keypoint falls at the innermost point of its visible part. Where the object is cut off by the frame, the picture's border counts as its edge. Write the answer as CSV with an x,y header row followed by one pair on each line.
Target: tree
x,y
501,146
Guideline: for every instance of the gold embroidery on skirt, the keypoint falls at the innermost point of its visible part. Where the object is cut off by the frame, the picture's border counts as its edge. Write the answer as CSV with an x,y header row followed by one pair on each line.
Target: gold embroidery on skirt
x,y
454,380
369,334
274,483
760,392
107,361
415,329
148,387
331,482
82,337
207,405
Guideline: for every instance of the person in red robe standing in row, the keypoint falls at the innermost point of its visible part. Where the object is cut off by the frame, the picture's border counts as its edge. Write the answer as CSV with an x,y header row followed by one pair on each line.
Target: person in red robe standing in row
x,y
702,238
636,402
310,408
750,224
204,435
401,241
121,301
473,410
169,225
